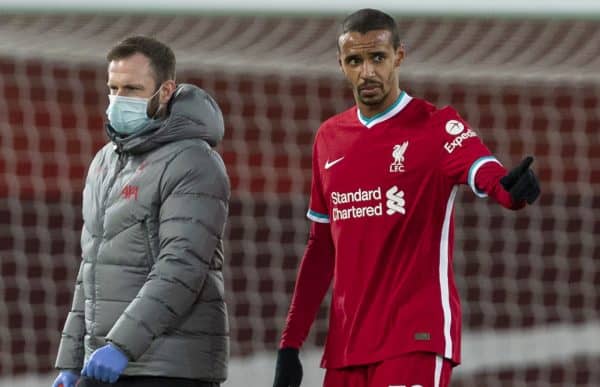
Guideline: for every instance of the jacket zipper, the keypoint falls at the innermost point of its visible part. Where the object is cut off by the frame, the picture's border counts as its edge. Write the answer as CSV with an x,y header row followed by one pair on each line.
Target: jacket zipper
x,y
120,165
149,252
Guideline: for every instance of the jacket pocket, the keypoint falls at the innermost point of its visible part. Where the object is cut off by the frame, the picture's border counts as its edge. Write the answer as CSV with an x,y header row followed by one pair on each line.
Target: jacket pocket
x,y
150,258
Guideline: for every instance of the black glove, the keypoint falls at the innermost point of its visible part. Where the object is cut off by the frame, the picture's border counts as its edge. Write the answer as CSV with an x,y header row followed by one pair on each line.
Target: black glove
x,y
288,369
521,182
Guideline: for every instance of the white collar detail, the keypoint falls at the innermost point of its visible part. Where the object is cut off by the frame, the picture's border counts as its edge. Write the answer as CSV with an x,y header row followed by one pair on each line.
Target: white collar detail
x,y
390,112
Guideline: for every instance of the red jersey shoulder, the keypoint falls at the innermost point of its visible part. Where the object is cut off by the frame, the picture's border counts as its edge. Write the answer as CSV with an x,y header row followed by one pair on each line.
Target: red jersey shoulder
x,y
421,108
418,113
346,118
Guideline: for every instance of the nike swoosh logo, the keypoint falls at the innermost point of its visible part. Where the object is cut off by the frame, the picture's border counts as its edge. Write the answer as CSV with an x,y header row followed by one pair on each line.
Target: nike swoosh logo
x,y
329,164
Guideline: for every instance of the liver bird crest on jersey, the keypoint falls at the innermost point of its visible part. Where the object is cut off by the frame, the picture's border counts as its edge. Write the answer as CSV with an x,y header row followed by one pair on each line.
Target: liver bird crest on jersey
x,y
398,154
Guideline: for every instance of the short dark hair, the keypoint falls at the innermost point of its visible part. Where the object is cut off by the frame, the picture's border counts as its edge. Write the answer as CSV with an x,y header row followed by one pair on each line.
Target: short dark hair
x,y
162,58
368,19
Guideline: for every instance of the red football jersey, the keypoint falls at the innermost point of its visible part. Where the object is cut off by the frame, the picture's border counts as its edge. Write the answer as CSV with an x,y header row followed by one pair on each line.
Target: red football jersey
x,y
387,185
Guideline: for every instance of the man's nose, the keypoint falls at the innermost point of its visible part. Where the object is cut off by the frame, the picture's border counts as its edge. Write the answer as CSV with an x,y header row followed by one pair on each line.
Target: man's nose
x,y
367,69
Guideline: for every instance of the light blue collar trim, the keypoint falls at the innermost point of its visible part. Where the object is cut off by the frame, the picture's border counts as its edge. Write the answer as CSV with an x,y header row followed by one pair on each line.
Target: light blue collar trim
x,y
396,108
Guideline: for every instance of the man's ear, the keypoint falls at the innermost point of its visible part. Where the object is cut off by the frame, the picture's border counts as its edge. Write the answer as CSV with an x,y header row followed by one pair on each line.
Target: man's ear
x,y
400,54
339,59
166,91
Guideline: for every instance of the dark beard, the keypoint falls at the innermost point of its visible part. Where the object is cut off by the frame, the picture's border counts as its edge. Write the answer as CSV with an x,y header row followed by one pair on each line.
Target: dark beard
x,y
372,102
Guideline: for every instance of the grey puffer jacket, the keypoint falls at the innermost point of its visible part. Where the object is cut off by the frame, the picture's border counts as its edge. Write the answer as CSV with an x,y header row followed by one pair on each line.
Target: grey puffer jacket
x,y
150,280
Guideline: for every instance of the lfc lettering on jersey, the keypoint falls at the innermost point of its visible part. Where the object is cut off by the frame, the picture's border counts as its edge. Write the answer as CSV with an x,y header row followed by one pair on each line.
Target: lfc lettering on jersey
x,y
458,141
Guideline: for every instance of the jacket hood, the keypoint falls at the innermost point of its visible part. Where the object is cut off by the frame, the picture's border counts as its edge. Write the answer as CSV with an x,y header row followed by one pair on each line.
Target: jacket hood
x,y
191,113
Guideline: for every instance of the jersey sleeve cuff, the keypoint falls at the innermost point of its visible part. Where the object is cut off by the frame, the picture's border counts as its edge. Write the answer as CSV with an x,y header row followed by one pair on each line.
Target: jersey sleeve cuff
x,y
317,217
473,172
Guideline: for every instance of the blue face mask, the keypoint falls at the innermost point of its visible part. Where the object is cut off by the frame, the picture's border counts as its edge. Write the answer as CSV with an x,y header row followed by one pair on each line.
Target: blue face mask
x,y
127,115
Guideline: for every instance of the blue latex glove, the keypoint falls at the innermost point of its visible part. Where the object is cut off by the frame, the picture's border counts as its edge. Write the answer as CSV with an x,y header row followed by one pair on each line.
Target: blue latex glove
x,y
105,364
66,379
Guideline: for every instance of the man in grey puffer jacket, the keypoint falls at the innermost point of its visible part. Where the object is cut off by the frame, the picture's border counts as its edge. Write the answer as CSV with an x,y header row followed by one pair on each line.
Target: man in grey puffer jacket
x,y
148,307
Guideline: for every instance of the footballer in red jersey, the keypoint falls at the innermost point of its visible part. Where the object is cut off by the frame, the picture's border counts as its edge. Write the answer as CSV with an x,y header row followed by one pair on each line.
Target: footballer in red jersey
x,y
385,175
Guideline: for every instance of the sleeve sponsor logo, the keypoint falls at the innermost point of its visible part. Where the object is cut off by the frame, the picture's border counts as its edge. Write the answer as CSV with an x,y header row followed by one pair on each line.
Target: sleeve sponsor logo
x,y
458,141
454,127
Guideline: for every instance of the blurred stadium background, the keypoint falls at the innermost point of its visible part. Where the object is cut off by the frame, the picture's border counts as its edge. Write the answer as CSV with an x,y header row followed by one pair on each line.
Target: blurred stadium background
x,y
527,78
